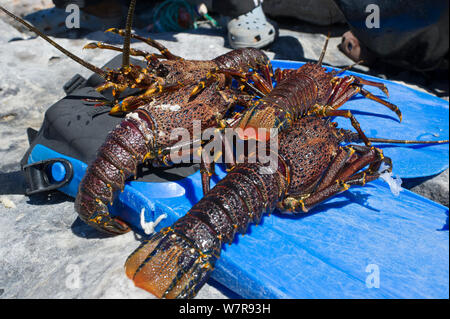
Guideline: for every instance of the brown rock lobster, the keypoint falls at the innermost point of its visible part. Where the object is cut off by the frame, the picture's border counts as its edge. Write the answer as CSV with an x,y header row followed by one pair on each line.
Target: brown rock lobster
x,y
312,166
307,90
168,99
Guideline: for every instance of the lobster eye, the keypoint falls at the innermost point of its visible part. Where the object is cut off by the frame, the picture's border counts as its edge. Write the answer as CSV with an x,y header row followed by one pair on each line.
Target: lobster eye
x,y
162,71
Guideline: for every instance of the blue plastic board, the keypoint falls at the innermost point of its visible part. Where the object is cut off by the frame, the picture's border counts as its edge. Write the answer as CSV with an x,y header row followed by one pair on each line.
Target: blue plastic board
x,y
425,117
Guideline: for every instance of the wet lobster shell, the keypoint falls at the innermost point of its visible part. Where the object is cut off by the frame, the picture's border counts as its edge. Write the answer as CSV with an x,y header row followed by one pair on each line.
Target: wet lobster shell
x,y
147,130
177,261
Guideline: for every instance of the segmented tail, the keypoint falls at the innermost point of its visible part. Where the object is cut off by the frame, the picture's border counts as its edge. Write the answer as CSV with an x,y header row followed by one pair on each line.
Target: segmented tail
x,y
128,145
177,261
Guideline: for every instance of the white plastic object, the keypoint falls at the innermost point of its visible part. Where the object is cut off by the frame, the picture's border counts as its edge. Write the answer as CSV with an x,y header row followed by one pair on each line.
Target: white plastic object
x,y
251,30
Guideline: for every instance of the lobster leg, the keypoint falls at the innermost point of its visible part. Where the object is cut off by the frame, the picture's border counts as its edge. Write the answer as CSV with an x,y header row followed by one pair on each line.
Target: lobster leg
x,y
131,103
347,87
391,106
134,52
347,179
155,44
366,156
206,171
282,74
262,85
128,104
294,202
336,166
207,164
378,85
209,79
324,111
339,177
117,89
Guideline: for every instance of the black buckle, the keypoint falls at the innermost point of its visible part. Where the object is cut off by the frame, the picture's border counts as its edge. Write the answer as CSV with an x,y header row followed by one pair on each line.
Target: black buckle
x,y
39,177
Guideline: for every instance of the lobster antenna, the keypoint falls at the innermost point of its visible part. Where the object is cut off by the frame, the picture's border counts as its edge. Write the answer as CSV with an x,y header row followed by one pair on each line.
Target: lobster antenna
x,y
322,55
385,140
84,63
127,39
350,136
334,72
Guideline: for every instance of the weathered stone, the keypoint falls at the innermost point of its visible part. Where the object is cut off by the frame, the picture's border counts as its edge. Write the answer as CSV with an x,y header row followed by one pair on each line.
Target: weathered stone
x,y
435,188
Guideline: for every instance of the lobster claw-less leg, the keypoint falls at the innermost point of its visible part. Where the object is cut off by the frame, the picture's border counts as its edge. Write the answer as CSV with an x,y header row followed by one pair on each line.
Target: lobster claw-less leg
x,y
131,103
261,85
340,176
347,177
155,44
134,52
326,111
131,77
348,86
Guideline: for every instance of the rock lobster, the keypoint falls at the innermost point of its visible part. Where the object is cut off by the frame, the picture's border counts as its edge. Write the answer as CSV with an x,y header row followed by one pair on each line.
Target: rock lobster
x,y
312,166
168,99
178,260
307,90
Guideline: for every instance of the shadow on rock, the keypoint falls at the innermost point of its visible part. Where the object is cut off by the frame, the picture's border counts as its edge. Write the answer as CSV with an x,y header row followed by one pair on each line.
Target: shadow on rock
x,y
51,198
81,229
287,48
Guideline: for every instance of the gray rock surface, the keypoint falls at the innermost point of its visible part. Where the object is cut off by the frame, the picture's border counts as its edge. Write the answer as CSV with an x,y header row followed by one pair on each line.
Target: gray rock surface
x,y
46,251
435,188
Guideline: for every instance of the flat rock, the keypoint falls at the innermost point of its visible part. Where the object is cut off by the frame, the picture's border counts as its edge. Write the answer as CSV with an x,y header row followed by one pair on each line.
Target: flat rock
x,y
435,188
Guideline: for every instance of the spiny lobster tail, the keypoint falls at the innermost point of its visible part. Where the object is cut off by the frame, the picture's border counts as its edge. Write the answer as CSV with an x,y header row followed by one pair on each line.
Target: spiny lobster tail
x,y
171,265
128,145
322,55
127,39
77,59
177,261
